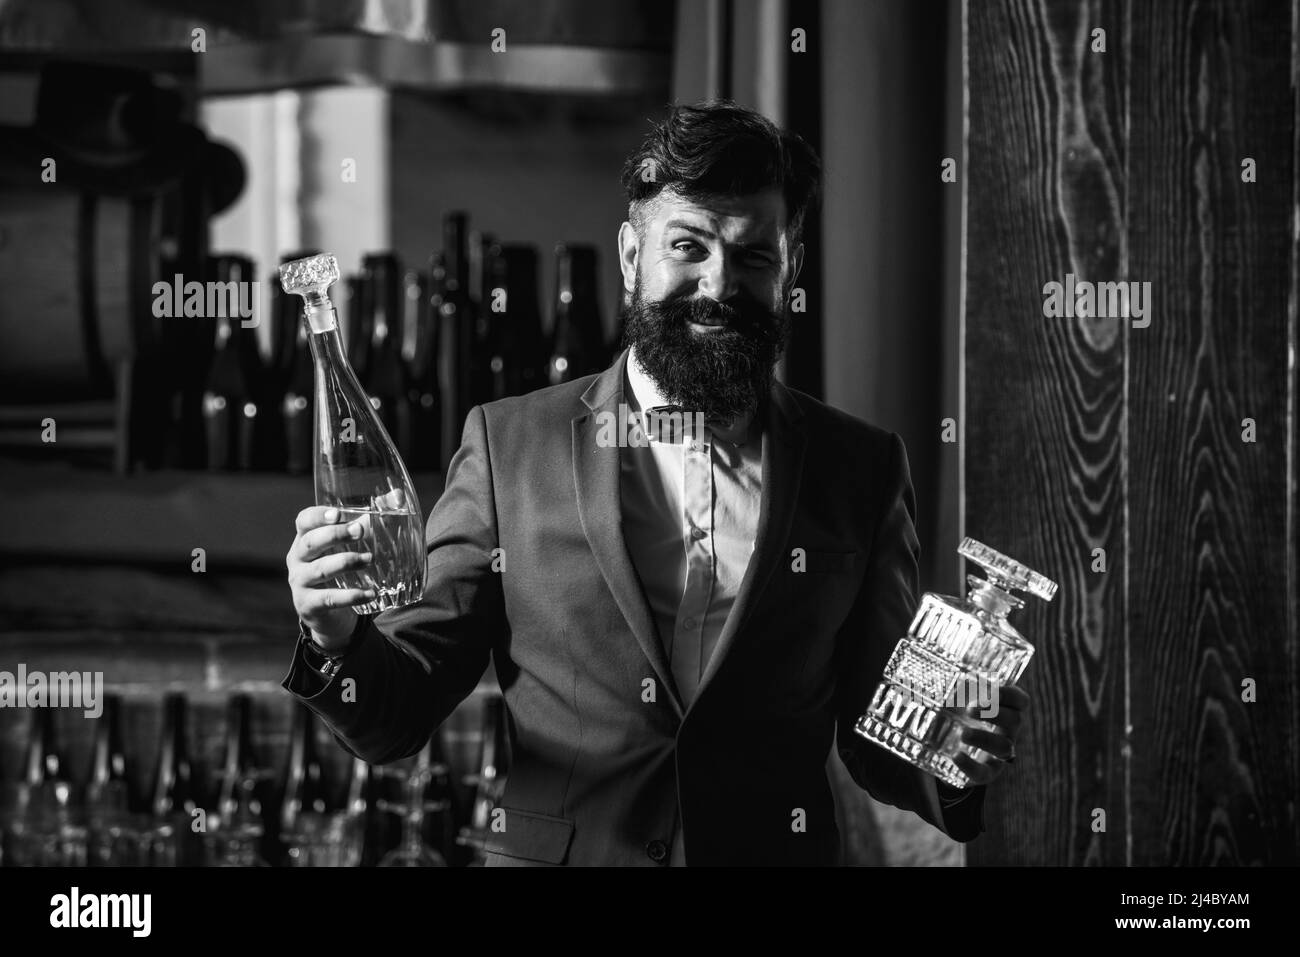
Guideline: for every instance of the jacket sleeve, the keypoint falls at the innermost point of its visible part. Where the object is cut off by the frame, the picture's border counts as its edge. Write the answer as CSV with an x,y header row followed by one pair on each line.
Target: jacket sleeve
x,y
881,614
410,667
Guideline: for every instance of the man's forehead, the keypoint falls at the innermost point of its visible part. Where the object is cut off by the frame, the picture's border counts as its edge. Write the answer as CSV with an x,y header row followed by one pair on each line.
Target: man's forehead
x,y
761,213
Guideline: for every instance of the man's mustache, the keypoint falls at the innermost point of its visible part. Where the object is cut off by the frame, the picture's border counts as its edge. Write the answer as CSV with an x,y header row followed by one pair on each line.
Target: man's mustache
x,y
740,315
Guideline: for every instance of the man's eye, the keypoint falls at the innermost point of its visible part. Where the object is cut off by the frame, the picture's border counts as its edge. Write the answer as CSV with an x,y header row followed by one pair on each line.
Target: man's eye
x,y
686,246
758,259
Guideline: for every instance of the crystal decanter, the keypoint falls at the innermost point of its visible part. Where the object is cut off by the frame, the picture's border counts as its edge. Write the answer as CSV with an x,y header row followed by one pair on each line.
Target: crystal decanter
x,y
956,653
356,468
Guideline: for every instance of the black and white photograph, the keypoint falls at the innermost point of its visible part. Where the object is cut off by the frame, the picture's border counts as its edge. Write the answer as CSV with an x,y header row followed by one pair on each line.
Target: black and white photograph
x,y
853,434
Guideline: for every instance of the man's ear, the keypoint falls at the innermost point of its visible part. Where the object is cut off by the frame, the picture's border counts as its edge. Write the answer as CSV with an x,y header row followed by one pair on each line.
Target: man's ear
x,y
628,248
796,260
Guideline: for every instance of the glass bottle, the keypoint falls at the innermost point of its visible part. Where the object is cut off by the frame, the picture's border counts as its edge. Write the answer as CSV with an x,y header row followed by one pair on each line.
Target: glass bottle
x,y
413,851
173,840
241,833
577,338
489,782
459,366
291,360
956,653
526,358
422,302
363,831
305,804
232,403
385,380
357,470
110,800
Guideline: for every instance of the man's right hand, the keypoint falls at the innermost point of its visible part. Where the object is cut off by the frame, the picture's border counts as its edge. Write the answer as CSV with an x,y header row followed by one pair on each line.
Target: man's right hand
x,y
324,609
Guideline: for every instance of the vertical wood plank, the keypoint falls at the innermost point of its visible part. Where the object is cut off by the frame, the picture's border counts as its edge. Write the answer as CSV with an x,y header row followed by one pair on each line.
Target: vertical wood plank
x,y
1215,778
1084,434
1044,404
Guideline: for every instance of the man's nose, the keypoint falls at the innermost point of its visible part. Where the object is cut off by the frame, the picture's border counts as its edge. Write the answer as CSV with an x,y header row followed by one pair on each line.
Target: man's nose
x,y
718,279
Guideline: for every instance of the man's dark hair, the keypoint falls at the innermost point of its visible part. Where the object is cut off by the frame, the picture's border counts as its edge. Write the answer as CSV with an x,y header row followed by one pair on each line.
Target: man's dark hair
x,y
720,148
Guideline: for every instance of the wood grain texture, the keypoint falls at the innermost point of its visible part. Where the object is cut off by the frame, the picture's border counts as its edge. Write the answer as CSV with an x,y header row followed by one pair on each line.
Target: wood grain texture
x,y
1207,537
1085,434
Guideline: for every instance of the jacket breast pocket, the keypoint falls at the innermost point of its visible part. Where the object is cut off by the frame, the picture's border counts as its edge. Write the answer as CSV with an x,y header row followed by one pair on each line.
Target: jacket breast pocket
x,y
529,839
829,563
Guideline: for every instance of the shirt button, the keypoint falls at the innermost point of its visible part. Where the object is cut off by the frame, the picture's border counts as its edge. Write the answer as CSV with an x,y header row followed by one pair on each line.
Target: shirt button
x,y
689,624
698,533
657,851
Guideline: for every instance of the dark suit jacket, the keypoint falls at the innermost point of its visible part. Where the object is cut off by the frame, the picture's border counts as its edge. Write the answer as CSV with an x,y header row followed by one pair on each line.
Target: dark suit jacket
x,y
599,775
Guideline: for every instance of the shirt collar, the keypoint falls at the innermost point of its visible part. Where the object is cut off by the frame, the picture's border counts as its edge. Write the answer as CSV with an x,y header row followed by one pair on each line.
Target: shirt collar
x,y
643,394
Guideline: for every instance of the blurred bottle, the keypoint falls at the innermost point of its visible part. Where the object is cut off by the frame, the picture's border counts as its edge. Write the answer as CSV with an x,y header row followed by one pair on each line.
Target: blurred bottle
x,y
185,352
365,823
243,836
44,763
305,795
231,398
489,781
483,251
294,376
109,785
111,801
421,310
296,409
577,337
385,381
175,792
355,319
47,827
498,342
457,358
441,820
525,351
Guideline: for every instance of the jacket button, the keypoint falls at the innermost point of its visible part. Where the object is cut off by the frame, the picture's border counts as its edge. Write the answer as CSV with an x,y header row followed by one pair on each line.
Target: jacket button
x,y
657,851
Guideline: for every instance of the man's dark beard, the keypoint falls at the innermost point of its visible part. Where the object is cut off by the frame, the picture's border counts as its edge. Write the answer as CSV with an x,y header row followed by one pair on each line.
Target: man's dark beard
x,y
723,374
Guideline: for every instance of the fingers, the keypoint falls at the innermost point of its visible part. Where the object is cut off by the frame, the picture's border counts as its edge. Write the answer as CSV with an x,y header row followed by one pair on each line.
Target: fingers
x,y
324,570
315,601
1006,709
1007,720
314,516
978,771
1013,697
320,541
996,744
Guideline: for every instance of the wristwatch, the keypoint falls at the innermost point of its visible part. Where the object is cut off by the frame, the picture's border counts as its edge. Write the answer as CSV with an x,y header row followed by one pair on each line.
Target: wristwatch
x,y
327,663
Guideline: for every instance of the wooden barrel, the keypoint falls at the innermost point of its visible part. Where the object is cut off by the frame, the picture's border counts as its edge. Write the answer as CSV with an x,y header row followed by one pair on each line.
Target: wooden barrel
x,y
66,310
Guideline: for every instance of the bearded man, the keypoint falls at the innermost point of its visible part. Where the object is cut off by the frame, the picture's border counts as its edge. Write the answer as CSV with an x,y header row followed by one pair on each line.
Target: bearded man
x,y
683,620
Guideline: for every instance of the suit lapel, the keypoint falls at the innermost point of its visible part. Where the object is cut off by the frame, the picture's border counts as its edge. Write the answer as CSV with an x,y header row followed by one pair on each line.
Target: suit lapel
x,y
783,454
596,478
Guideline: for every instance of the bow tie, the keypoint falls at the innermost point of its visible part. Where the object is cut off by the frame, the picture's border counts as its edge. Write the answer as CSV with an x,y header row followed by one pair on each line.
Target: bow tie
x,y
671,424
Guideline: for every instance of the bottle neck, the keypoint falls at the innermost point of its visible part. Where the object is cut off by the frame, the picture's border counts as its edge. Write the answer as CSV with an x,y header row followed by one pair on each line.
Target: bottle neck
x,y
109,760
986,595
237,736
42,755
327,346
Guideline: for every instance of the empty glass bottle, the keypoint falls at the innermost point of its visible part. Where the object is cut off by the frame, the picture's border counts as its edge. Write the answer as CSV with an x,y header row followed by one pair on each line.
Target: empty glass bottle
x,y
357,469
957,653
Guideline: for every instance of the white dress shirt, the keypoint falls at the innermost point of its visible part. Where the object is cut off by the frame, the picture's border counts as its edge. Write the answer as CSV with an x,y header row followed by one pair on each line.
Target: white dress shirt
x,y
690,515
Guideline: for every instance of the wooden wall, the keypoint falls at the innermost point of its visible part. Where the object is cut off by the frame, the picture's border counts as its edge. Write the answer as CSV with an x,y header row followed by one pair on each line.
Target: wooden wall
x,y
1085,434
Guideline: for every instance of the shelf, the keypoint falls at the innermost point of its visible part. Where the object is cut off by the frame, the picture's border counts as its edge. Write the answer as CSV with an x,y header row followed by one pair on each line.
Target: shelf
x,y
55,512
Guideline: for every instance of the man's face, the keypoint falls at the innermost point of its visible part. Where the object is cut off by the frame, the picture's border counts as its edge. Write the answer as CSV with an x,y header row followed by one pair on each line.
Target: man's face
x,y
706,283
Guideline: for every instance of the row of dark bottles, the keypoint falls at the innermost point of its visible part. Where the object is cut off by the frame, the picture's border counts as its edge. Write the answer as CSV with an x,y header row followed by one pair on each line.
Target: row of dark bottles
x,y
249,806
426,344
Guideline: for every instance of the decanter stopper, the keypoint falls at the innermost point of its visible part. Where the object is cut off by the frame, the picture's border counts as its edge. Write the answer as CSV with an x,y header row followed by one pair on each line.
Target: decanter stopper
x,y
311,278
1007,573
